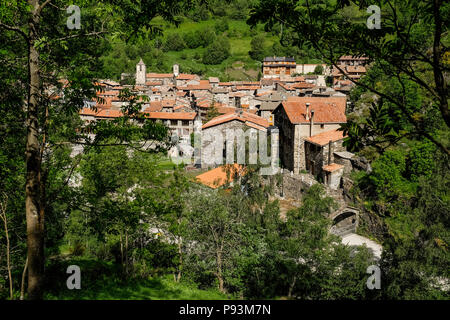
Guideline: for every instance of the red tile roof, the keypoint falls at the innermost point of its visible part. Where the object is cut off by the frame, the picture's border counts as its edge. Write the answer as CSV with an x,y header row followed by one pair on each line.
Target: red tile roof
x,y
326,109
168,103
109,113
245,117
200,86
159,75
324,138
154,106
247,87
153,83
185,76
220,176
332,167
171,115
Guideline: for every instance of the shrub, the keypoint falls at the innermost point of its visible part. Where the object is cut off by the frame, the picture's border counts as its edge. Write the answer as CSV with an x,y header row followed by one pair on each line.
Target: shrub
x,y
221,25
192,40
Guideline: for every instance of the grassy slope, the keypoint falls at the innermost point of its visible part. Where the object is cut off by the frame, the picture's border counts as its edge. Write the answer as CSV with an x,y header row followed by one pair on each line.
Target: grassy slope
x,y
240,46
102,281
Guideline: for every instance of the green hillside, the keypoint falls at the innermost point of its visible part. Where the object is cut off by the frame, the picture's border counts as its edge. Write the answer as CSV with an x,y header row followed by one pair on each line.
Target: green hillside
x,y
242,61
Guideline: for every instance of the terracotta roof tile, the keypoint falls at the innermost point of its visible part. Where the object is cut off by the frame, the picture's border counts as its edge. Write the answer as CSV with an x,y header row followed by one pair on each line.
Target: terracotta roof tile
x,y
154,106
159,75
220,176
109,113
245,117
326,109
171,115
332,167
323,138
185,76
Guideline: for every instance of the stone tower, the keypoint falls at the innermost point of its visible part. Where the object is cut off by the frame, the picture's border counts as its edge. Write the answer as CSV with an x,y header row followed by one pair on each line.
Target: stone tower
x,y
140,73
198,141
176,70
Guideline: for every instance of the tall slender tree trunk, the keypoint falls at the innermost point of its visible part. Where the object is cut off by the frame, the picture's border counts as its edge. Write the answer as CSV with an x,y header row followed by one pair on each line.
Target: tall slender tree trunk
x,y
219,271
34,211
8,247
126,251
22,285
180,259
291,286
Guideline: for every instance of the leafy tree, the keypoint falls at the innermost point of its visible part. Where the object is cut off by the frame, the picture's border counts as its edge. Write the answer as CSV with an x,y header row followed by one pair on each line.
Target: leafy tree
x,y
192,39
257,51
49,50
206,37
410,46
217,52
318,69
174,42
212,112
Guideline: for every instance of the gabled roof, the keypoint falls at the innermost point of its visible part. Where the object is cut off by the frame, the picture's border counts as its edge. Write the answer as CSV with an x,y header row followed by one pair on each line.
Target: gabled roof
x,y
246,117
171,115
326,109
220,176
201,86
185,76
109,113
159,75
322,139
154,106
247,87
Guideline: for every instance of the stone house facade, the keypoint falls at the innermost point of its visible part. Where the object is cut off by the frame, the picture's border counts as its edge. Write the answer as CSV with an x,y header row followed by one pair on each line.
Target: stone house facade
x,y
299,118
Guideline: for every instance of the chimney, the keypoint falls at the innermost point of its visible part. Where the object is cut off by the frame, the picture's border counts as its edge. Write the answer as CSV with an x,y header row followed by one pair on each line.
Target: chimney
x,y
311,123
329,152
307,111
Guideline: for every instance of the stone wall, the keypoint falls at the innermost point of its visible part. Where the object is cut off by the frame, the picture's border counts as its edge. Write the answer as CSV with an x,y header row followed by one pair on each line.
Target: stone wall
x,y
293,185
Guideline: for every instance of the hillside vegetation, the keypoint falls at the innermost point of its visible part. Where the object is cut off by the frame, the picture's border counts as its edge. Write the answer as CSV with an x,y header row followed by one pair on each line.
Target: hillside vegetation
x,y
219,44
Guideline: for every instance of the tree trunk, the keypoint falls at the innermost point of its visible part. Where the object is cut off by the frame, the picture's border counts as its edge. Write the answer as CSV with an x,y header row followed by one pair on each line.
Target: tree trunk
x,y
22,285
121,248
291,286
180,259
126,251
219,271
34,212
8,248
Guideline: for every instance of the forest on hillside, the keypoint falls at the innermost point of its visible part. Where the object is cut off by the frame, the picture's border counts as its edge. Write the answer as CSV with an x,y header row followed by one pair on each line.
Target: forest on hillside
x,y
95,210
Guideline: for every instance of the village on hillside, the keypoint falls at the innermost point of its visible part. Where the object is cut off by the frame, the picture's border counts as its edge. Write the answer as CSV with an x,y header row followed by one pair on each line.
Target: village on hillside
x,y
296,107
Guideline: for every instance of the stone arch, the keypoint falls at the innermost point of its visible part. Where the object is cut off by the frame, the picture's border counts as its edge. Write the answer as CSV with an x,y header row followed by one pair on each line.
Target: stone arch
x,y
344,221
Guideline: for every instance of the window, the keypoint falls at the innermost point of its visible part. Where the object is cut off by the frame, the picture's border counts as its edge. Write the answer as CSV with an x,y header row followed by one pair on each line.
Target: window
x,y
173,122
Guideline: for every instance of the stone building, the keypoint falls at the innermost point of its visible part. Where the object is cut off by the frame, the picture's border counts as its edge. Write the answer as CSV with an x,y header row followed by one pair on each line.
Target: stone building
x,y
222,132
320,150
181,123
274,67
299,118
